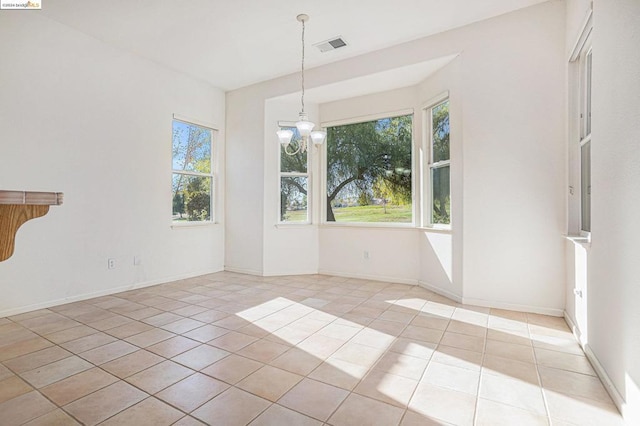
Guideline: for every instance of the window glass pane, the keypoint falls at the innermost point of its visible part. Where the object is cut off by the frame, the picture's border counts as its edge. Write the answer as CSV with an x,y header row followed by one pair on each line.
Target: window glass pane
x,y
440,131
369,170
441,196
191,198
588,95
293,199
585,184
191,147
293,163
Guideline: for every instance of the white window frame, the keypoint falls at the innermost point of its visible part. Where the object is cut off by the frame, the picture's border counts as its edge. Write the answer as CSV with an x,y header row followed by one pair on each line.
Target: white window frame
x,y
414,169
580,62
211,175
281,174
427,114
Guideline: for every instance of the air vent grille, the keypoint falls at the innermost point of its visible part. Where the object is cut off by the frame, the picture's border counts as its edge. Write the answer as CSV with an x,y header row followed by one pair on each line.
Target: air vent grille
x,y
331,44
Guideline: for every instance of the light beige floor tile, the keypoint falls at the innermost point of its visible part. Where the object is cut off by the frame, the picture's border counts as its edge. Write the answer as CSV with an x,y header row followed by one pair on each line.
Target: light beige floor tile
x,y
461,327
232,407
505,367
160,376
210,316
109,323
514,392
339,373
183,325
87,343
173,346
509,336
5,373
568,345
263,350
402,317
192,392
435,322
188,421
492,413
70,334
463,341
392,328
511,351
233,368
355,353
443,404
99,406
53,372
108,352
373,338
573,384
402,365
129,330
458,357
279,416
12,387
422,333
132,363
320,346
297,361
24,408
386,387
200,357
233,341
360,410
581,411
564,361
413,347
37,359
206,333
162,319
411,418
150,337
452,377
77,386
54,418
22,347
269,382
313,398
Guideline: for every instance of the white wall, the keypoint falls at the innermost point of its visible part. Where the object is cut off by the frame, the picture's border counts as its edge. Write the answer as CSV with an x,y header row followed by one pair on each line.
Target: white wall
x,y
614,286
510,73
94,122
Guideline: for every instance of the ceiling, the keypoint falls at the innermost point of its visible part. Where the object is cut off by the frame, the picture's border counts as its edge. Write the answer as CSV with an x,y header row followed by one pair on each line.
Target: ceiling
x,y
236,43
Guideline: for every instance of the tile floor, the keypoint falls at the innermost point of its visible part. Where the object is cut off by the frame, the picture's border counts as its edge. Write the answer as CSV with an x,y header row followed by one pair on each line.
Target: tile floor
x,y
231,349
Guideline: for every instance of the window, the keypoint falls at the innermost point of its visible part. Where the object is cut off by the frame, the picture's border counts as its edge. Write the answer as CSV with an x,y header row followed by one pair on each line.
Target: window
x,y
369,171
294,182
193,177
585,139
439,163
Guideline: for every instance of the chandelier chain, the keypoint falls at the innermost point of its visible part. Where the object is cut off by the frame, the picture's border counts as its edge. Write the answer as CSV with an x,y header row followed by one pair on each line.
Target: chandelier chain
x,y
303,65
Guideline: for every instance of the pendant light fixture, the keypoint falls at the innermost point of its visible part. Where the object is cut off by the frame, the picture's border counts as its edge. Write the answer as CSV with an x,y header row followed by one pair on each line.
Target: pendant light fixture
x,y
304,126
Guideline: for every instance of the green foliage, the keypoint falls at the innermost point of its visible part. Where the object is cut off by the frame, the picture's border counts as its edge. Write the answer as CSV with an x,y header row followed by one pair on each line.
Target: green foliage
x,y
362,154
440,177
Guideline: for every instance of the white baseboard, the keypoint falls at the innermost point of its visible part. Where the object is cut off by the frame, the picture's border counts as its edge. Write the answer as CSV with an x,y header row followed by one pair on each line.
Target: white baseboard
x,y
243,271
606,380
99,293
440,291
513,307
369,277
577,333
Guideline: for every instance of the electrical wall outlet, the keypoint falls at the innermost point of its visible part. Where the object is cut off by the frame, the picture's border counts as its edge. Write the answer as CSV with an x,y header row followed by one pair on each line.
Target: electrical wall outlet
x,y
111,263
137,260
366,254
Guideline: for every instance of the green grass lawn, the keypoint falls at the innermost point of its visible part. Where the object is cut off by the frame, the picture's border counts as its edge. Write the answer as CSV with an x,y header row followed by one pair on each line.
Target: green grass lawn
x,y
401,214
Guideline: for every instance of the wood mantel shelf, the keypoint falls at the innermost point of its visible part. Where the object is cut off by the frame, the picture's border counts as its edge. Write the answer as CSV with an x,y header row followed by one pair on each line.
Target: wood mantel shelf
x,y
17,207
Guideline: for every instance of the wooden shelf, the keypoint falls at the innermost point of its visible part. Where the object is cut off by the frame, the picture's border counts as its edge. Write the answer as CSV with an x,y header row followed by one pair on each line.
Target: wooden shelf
x,y
16,208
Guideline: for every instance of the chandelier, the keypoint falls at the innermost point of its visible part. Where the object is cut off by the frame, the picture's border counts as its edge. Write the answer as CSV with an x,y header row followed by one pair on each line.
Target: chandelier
x,y
304,126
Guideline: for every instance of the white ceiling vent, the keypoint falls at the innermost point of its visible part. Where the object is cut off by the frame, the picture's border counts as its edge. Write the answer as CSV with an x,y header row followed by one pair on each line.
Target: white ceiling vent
x,y
331,44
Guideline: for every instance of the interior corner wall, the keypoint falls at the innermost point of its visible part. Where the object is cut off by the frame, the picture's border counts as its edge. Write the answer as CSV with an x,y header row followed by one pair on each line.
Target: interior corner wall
x,y
614,287
94,122
513,93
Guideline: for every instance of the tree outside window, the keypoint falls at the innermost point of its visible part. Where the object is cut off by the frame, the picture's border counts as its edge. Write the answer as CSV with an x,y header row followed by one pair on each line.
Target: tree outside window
x,y
369,171
192,186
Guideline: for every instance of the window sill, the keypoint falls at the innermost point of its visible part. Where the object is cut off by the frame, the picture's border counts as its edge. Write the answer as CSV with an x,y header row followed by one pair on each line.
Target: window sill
x,y
584,241
373,225
300,225
185,225
437,230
